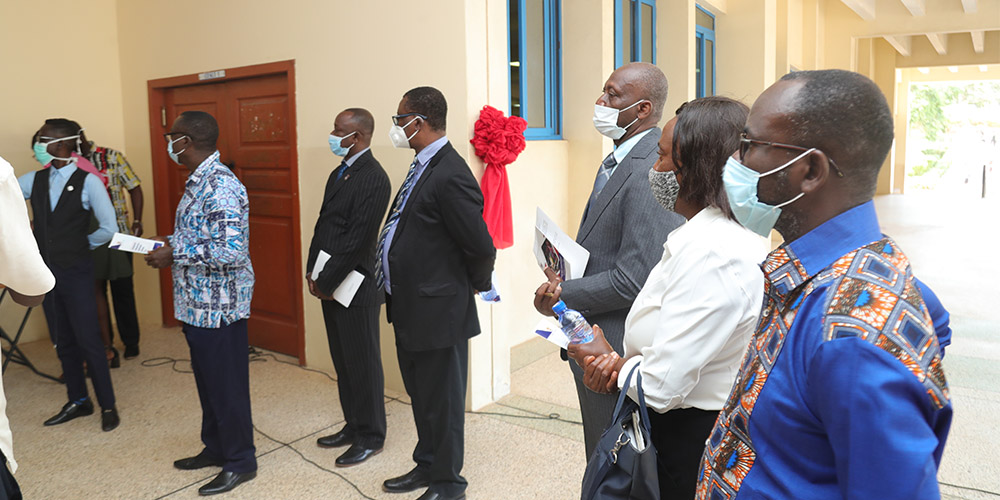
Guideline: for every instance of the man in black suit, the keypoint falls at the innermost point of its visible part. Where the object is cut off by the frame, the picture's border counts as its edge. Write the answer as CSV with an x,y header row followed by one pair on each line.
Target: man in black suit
x,y
355,200
434,254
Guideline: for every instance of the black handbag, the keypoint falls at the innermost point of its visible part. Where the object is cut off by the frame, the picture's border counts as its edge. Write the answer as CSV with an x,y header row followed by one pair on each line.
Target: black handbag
x,y
623,465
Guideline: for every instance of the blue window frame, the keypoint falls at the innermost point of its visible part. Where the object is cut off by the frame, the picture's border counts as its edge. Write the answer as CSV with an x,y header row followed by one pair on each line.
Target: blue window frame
x,y
635,31
535,70
704,52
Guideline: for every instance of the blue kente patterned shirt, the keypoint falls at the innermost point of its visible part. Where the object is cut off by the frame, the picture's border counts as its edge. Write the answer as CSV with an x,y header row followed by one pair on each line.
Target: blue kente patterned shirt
x,y
213,277
841,393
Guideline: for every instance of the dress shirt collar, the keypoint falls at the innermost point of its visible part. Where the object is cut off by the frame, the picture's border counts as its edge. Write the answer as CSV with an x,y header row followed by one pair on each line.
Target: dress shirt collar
x,y
203,168
625,148
425,155
63,172
350,161
791,264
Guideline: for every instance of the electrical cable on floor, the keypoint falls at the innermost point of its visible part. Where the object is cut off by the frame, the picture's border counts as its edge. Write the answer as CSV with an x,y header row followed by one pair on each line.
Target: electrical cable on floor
x,y
970,488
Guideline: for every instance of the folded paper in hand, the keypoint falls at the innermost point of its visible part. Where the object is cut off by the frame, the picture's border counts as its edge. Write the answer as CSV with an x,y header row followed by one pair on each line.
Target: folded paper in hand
x,y
129,243
554,249
347,289
549,330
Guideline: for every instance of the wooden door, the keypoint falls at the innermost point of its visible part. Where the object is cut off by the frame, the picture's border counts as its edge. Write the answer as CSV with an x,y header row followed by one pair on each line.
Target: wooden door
x,y
257,141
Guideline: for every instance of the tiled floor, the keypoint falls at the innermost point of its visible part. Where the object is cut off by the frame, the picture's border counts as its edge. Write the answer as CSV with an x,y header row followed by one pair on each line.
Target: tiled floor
x,y
951,244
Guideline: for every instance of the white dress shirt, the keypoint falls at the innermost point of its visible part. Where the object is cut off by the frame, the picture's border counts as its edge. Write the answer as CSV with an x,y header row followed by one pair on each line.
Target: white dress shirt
x,y
691,322
21,269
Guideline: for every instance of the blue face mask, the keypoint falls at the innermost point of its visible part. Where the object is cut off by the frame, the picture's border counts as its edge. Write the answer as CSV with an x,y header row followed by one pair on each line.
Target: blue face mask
x,y
175,155
740,182
336,147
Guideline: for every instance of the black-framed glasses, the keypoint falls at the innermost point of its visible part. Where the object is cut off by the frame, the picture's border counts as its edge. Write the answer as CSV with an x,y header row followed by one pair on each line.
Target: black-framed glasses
x,y
397,118
746,142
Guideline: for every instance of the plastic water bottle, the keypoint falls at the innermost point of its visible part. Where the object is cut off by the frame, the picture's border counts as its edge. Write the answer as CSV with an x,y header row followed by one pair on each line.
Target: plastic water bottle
x,y
573,324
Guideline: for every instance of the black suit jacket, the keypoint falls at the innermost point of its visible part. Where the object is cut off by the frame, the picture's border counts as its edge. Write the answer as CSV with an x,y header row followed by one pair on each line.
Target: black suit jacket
x,y
348,227
440,255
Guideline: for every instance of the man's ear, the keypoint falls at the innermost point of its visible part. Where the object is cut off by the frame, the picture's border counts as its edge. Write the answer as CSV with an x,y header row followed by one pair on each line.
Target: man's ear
x,y
645,108
818,173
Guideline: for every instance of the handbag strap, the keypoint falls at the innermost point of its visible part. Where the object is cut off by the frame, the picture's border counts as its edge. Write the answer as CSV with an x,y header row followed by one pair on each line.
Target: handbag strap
x,y
641,403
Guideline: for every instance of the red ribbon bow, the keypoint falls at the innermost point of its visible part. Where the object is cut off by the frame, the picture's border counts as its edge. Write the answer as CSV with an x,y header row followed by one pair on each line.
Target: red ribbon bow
x,y
498,140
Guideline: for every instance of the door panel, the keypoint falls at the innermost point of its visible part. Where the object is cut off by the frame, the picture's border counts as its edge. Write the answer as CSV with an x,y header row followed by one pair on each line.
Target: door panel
x,y
256,141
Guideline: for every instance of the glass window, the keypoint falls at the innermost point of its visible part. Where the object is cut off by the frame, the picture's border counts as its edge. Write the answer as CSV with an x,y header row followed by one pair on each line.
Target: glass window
x,y
533,44
635,31
704,52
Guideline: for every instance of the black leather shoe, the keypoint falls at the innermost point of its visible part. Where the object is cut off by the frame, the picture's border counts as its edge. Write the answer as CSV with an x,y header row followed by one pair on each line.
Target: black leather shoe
x,y
199,461
355,455
413,480
430,495
70,411
109,419
342,438
131,351
225,481
115,361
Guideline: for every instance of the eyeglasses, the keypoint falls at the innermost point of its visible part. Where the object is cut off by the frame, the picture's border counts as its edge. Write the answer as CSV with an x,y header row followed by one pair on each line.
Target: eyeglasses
x,y
396,118
746,142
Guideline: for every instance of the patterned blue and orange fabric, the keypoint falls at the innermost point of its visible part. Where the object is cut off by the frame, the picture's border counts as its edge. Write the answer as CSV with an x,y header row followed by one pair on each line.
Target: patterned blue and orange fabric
x,y
213,277
841,393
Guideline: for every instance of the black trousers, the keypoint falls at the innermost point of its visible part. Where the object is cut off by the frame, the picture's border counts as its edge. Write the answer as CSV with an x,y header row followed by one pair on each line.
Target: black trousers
x,y
679,437
221,368
9,489
435,381
123,298
354,346
71,312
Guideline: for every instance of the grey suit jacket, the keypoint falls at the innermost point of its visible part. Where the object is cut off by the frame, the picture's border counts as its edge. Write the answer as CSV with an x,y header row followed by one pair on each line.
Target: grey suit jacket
x,y
624,232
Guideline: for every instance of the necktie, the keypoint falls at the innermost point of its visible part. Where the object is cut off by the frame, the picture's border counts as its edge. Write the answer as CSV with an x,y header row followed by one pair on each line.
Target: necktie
x,y
603,175
404,190
341,169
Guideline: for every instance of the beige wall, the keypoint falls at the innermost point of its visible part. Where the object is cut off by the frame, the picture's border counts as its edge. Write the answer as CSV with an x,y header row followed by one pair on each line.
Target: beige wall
x,y
746,51
64,68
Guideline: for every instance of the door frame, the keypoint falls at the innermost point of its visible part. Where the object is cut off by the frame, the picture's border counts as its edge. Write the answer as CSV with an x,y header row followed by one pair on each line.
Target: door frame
x,y
157,90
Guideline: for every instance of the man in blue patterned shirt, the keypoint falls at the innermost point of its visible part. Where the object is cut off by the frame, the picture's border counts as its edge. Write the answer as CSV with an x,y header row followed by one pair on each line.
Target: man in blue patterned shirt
x,y
841,393
213,285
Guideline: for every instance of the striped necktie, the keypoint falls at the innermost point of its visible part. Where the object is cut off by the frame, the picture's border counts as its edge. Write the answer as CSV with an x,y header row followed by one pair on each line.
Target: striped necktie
x,y
603,175
391,222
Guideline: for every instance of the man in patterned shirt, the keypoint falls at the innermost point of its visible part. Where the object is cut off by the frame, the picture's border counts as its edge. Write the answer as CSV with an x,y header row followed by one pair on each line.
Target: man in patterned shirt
x,y
841,393
213,285
116,267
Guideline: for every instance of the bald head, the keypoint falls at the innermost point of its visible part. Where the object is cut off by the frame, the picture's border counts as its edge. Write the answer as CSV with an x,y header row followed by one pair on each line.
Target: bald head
x,y
360,119
647,81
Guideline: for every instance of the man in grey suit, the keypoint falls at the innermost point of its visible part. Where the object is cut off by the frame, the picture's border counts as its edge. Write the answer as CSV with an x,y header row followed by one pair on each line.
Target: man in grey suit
x,y
623,226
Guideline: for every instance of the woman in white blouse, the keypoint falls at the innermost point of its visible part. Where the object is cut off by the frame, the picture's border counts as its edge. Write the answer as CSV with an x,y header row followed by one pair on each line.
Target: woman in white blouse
x,y
691,322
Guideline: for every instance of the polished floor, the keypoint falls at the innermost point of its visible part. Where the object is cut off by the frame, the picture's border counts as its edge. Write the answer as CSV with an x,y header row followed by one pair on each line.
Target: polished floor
x,y
514,448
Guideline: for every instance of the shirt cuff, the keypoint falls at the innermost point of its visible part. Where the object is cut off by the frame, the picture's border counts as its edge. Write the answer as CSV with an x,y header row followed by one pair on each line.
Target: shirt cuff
x,y
626,369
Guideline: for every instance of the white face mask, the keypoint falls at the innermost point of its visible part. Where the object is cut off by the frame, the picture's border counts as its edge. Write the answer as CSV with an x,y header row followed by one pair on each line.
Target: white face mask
x,y
397,134
606,120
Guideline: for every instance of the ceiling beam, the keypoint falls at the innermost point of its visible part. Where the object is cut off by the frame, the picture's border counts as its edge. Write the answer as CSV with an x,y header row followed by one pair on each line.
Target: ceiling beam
x,y
902,44
863,8
970,6
718,5
978,41
917,8
939,41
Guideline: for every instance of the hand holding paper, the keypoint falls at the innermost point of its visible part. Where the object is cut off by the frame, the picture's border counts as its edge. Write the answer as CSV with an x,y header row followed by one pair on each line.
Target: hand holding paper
x,y
345,292
129,243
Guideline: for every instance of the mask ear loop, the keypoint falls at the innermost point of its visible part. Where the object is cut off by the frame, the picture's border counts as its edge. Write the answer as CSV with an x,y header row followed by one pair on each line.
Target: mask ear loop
x,y
793,160
630,107
407,125
60,158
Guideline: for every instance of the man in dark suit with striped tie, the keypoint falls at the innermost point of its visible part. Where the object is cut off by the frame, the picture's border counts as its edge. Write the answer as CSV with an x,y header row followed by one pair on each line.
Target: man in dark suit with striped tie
x,y
434,254
355,200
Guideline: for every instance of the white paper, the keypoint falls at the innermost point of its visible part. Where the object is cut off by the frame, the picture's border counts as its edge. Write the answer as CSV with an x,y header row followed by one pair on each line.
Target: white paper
x,y
491,295
555,249
346,289
321,260
129,243
549,330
